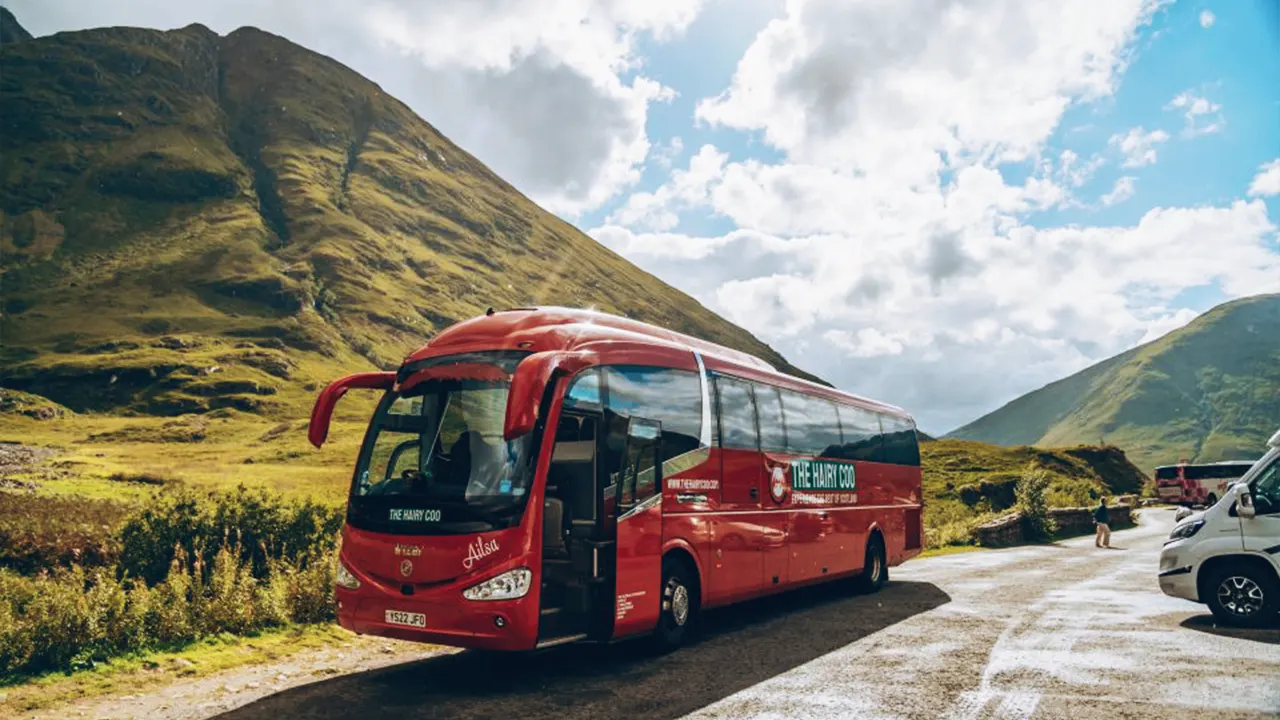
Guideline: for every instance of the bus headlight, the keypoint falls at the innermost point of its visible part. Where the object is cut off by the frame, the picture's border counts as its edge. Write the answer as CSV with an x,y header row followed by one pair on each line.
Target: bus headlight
x,y
344,578
509,585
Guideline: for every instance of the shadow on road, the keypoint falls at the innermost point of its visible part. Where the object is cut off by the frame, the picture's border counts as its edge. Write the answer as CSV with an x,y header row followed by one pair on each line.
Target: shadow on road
x,y
1207,624
741,646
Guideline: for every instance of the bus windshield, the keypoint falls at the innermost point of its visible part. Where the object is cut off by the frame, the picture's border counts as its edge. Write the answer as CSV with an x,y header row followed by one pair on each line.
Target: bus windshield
x,y
434,460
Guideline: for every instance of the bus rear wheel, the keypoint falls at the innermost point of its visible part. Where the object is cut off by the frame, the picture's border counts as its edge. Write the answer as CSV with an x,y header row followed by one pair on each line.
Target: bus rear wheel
x,y
678,615
875,568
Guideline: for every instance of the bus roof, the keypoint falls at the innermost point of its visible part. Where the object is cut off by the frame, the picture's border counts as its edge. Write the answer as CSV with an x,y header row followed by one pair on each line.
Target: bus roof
x,y
1208,464
539,329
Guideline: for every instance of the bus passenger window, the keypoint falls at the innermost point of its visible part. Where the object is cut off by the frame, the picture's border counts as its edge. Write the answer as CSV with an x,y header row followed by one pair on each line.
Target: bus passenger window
x,y
737,415
773,432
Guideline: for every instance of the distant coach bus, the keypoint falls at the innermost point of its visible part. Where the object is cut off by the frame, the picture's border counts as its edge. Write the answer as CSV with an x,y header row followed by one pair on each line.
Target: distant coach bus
x,y
1198,483
535,477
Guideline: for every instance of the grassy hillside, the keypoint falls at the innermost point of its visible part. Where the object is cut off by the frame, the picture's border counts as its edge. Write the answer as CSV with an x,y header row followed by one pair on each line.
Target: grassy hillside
x,y
1209,391
966,482
191,222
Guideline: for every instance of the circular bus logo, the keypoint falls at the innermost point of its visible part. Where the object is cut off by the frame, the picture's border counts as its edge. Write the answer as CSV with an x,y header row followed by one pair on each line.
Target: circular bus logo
x,y
778,484
406,568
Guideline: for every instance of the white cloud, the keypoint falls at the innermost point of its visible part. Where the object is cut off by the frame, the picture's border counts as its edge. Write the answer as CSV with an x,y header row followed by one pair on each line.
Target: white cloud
x,y
886,251
545,92
902,88
1203,117
1207,19
1123,190
687,188
1138,145
1267,181
666,153
954,325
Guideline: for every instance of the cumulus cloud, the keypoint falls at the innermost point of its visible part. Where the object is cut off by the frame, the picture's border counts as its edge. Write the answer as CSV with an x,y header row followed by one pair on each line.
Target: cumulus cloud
x,y
888,252
548,92
1203,117
1138,146
1267,181
1207,19
900,87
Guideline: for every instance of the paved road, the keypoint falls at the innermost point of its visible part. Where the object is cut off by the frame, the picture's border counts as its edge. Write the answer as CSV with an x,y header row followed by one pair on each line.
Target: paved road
x,y
1066,631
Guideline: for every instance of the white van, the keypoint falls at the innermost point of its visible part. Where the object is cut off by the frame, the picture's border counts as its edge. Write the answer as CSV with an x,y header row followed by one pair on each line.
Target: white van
x,y
1228,557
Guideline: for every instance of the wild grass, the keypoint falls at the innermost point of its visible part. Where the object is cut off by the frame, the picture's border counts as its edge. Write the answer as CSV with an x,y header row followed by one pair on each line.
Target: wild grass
x,y
180,567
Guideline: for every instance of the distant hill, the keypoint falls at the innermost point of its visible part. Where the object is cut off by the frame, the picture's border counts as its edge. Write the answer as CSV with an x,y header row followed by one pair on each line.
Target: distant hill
x,y
11,31
967,482
1208,391
191,222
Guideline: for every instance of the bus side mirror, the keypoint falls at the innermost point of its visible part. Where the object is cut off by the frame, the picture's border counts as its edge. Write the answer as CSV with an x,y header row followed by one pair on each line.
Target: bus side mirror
x,y
322,412
529,383
1244,503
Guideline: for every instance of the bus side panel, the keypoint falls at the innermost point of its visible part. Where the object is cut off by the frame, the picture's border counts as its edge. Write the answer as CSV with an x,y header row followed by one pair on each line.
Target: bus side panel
x,y
639,569
737,540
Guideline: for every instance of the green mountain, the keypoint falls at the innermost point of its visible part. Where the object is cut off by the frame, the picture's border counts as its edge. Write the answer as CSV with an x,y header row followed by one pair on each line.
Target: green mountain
x,y
191,222
10,30
1208,391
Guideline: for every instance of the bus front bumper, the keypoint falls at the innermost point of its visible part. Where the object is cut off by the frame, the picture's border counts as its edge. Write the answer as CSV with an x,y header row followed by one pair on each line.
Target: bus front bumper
x,y
442,617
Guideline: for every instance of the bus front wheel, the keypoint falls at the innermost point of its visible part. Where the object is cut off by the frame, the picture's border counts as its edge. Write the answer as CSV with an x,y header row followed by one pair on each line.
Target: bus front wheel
x,y
678,614
875,568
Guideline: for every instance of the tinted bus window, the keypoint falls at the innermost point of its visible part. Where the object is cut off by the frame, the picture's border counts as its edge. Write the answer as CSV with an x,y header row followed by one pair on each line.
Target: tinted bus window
x,y
901,446
773,434
813,428
585,390
672,396
1166,473
737,414
860,430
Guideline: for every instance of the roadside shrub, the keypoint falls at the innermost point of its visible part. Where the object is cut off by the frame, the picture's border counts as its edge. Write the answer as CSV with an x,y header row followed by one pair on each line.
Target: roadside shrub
x,y
256,525
1033,506
38,532
72,618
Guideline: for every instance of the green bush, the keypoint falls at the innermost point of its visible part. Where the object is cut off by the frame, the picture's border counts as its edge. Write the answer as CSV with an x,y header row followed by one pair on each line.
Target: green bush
x,y
1033,506
259,525
71,618
190,566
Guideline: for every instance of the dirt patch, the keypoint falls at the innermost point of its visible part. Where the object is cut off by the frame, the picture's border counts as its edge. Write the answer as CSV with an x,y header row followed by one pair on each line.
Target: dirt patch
x,y
21,465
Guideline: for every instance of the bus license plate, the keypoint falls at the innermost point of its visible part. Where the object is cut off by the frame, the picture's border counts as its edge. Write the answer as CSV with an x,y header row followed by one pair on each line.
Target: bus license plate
x,y
408,619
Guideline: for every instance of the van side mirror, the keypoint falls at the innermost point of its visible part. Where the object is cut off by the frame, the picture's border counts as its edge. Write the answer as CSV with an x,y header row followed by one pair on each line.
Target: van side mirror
x,y
1244,503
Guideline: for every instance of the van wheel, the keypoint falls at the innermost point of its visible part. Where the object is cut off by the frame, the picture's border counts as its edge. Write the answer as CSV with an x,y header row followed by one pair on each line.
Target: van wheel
x,y
678,615
1243,594
875,568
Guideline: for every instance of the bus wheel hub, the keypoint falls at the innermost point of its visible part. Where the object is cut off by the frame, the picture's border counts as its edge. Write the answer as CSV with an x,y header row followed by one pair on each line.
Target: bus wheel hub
x,y
680,604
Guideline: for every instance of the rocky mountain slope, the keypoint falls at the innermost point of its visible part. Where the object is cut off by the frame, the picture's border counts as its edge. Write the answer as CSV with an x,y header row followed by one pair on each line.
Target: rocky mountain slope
x,y
190,221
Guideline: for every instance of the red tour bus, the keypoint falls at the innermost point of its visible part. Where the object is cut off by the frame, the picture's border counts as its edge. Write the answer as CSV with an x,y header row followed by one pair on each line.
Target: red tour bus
x,y
1198,483
534,477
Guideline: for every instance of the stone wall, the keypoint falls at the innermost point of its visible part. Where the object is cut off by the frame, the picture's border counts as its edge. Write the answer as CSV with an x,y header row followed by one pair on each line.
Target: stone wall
x,y
1007,530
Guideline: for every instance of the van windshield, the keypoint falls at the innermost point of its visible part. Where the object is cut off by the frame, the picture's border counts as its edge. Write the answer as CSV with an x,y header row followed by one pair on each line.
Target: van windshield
x,y
434,460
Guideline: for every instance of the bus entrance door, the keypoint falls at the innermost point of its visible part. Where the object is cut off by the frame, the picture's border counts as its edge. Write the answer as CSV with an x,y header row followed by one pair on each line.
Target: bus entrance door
x,y
639,530
577,538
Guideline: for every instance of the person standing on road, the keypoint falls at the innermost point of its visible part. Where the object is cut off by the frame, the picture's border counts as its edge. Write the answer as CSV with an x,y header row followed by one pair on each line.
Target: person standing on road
x,y
1102,518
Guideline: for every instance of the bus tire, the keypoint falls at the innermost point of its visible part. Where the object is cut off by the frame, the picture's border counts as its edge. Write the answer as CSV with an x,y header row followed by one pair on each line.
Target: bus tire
x,y
875,567
678,613
1244,594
